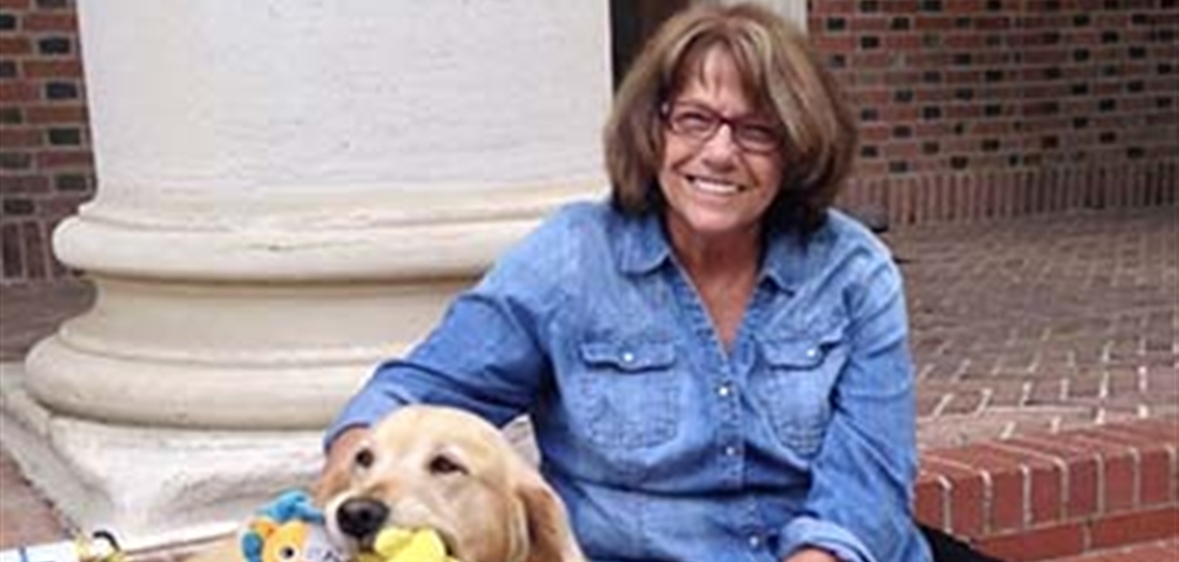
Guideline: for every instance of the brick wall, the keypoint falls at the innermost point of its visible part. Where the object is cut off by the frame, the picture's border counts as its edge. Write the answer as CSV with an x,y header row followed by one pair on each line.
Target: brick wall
x,y
971,109
974,109
46,168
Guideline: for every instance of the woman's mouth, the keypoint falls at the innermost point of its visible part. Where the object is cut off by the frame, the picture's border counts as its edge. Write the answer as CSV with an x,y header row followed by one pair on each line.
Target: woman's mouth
x,y
715,187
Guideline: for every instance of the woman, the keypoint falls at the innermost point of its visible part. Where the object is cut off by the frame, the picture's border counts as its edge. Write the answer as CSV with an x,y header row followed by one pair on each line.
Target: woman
x,y
715,363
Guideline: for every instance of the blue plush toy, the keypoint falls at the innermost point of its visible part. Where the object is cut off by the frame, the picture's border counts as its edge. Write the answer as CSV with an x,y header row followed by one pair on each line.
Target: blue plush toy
x,y
289,529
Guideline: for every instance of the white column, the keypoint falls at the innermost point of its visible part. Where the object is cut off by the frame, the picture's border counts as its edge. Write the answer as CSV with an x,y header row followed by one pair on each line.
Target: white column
x,y
289,191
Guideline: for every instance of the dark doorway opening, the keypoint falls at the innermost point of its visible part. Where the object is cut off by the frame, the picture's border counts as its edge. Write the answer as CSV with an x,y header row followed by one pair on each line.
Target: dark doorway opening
x,y
632,22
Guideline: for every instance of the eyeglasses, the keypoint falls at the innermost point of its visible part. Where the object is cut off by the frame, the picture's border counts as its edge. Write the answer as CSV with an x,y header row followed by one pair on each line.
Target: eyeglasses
x,y
700,124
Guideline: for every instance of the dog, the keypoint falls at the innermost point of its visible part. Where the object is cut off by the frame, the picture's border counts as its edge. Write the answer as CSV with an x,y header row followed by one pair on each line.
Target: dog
x,y
450,471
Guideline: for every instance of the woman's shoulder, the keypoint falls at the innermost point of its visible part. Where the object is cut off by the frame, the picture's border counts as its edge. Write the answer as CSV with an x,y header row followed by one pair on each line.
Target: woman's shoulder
x,y
582,213
581,222
847,235
567,233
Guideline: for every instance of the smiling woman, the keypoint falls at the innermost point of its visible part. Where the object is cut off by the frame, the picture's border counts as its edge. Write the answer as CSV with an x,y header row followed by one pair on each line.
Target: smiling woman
x,y
715,361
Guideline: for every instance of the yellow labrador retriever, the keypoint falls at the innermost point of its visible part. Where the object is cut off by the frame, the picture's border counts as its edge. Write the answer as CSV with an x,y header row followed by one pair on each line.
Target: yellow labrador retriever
x,y
427,466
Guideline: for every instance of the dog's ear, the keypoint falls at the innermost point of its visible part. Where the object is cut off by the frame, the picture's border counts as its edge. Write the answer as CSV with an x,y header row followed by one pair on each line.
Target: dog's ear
x,y
549,535
334,480
337,469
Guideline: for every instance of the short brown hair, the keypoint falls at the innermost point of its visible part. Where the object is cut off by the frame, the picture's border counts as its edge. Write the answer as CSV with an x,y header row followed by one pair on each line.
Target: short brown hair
x,y
781,74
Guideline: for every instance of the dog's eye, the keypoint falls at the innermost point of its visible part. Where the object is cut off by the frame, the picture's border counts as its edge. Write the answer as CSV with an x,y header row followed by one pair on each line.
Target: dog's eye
x,y
287,553
364,458
443,464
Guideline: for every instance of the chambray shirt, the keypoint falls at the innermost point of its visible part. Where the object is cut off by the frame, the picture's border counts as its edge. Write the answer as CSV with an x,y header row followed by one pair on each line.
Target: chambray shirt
x,y
664,445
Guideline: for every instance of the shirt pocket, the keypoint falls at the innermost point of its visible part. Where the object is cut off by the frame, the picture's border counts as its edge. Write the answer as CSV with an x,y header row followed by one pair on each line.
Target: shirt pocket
x,y
796,386
630,392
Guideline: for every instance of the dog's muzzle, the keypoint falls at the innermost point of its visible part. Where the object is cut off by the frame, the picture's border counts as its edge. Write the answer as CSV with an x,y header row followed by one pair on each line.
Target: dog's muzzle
x,y
361,518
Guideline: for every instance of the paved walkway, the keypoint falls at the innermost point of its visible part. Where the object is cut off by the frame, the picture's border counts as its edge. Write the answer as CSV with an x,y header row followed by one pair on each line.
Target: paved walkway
x,y
1025,325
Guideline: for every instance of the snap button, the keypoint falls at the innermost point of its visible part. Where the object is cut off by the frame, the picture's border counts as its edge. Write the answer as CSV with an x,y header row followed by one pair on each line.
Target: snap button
x,y
730,451
628,357
812,352
754,541
724,390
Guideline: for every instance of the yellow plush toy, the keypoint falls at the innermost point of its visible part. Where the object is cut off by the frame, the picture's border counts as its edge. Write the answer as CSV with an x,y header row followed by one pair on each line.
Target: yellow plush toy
x,y
404,545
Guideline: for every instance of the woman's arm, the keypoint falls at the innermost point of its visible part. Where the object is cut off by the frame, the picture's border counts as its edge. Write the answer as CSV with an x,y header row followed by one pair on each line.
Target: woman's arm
x,y
858,506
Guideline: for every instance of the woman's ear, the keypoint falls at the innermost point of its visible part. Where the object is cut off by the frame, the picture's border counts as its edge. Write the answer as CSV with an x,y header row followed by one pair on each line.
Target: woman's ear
x,y
550,537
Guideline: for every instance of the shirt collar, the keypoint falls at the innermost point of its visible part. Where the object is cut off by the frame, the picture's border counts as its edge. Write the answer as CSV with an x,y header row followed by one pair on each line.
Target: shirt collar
x,y
785,260
642,246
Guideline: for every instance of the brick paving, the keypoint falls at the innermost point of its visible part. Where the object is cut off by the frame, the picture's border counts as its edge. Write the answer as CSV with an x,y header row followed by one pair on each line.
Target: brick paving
x,y
1020,328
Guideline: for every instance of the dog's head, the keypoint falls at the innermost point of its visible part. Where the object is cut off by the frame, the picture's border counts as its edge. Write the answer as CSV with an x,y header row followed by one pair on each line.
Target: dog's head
x,y
448,470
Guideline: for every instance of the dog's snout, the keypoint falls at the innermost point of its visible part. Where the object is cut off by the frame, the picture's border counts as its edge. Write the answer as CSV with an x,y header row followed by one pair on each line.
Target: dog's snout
x,y
361,517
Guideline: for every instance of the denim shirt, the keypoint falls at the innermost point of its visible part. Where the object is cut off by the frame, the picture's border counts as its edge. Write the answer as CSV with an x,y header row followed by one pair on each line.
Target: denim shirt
x,y
665,445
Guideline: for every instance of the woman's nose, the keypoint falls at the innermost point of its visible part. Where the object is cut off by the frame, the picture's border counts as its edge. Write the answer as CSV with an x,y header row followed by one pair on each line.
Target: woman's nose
x,y
721,149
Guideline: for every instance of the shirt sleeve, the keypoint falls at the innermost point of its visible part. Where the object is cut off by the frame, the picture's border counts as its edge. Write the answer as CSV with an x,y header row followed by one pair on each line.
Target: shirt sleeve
x,y
858,506
484,356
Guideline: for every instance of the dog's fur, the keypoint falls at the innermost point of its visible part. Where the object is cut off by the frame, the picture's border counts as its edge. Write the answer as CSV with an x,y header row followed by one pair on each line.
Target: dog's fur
x,y
453,472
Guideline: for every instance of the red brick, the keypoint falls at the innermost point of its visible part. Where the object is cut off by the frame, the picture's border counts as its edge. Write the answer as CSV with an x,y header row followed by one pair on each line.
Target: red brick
x,y
1157,463
55,114
15,46
1042,543
14,184
929,505
17,92
1119,474
1135,527
46,21
967,495
52,68
1080,494
63,158
21,138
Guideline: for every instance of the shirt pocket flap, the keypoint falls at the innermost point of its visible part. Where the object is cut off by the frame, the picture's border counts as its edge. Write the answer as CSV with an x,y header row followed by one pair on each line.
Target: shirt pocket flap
x,y
799,353
629,357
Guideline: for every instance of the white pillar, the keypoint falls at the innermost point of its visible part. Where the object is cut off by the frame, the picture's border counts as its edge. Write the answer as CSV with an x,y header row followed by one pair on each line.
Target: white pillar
x,y
289,191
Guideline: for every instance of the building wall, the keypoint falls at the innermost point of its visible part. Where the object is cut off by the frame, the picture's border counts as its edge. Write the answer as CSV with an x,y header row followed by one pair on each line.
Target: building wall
x,y
974,109
970,110
46,167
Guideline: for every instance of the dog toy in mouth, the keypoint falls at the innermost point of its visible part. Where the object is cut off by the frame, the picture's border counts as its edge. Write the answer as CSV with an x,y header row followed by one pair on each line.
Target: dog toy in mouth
x,y
404,545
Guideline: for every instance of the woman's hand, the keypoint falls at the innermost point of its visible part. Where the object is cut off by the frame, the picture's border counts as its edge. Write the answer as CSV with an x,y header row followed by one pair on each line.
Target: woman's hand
x,y
337,468
811,555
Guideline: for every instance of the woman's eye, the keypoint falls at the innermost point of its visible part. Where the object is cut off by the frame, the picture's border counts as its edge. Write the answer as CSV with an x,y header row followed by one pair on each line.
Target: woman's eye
x,y
364,458
692,121
759,133
442,464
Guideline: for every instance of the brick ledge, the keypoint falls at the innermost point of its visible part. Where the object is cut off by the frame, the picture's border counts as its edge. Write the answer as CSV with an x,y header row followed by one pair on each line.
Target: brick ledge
x,y
1047,495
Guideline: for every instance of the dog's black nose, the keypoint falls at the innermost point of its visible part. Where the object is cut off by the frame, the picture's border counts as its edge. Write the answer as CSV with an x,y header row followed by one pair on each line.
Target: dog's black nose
x,y
361,517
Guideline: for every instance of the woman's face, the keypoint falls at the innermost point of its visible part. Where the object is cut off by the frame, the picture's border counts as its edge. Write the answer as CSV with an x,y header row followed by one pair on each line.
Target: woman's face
x,y
716,188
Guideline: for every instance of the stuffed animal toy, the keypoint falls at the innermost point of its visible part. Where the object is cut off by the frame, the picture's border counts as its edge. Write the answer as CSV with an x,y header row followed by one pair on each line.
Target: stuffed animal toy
x,y
291,529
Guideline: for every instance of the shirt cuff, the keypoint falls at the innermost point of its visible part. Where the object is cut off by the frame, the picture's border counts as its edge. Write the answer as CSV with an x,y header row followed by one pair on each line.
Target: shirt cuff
x,y
808,531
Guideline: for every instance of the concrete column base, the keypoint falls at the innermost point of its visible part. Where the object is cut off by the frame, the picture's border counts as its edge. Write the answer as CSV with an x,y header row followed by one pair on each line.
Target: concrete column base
x,y
151,486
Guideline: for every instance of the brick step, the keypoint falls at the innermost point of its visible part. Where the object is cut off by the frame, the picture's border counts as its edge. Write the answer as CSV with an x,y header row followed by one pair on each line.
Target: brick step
x,y
1155,551
1052,495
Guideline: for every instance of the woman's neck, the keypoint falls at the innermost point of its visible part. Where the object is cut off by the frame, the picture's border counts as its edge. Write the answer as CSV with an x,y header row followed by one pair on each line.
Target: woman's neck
x,y
717,258
724,273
